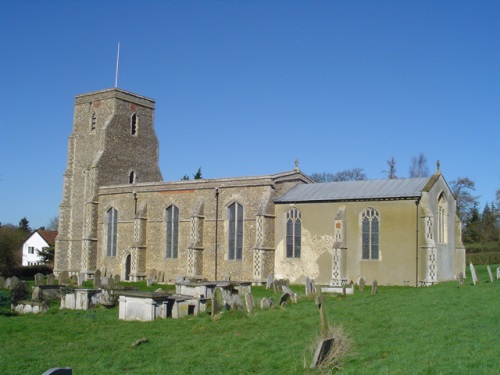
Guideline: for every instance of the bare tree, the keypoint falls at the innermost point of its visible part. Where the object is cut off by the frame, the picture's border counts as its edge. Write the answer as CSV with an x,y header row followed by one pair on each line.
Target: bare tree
x,y
53,223
391,173
419,166
354,174
462,188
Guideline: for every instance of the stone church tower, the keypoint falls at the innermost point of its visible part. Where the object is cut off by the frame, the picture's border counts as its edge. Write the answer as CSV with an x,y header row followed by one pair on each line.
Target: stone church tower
x,y
113,142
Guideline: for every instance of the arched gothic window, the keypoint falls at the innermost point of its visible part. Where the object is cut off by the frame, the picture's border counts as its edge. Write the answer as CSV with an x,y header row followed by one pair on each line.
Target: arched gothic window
x,y
93,122
111,231
131,177
370,227
293,233
235,237
442,219
172,233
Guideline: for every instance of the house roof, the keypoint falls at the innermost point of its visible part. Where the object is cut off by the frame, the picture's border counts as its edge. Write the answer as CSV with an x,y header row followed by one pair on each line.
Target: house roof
x,y
387,189
49,236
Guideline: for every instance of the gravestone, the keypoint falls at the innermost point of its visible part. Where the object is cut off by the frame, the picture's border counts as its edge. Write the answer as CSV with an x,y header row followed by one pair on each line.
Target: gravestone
x,y
179,279
473,274
13,282
270,279
97,279
59,371
264,303
36,293
51,279
374,287
308,286
294,297
276,286
460,279
249,302
271,302
322,352
18,291
81,278
320,300
217,301
102,271
74,279
237,302
490,274
117,279
63,278
2,282
111,282
8,283
498,273
361,283
313,287
39,279
284,299
149,282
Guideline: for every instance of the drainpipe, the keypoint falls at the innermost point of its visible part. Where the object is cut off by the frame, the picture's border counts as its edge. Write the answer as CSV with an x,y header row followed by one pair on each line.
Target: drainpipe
x,y
416,242
216,227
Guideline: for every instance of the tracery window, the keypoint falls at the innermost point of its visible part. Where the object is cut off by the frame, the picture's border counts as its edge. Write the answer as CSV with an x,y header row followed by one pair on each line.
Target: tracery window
x,y
111,231
172,231
442,219
293,233
235,237
370,230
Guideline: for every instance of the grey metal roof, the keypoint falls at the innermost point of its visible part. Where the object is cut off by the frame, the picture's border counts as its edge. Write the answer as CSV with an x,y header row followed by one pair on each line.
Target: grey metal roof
x,y
400,188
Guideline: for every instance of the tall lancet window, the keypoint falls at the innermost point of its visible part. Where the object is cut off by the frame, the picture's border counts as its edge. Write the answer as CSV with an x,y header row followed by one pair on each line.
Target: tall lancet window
x,y
442,224
134,124
172,234
235,237
370,226
111,231
293,233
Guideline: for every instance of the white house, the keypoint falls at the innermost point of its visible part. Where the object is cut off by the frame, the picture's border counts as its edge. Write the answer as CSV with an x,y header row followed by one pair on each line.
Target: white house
x,y
35,243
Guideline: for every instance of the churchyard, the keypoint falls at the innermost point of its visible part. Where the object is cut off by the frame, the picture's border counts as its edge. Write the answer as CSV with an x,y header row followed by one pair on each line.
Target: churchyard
x,y
445,328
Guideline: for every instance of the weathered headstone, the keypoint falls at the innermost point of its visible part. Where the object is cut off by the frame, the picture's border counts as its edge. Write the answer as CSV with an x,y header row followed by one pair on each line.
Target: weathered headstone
x,y
460,279
361,283
293,296
264,303
321,352
374,287
63,278
270,279
179,279
39,279
13,282
74,280
320,300
149,282
249,302
475,280
276,286
8,283
103,271
117,279
59,371
36,293
111,282
308,286
498,273
490,274
237,302
271,302
18,291
313,287
51,279
217,301
284,299
81,278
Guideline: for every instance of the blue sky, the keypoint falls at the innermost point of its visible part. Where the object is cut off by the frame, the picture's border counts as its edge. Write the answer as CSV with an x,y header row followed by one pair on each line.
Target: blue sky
x,y
246,87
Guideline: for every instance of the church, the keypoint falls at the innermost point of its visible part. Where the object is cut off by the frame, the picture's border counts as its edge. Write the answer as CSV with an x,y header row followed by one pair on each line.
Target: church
x,y
118,213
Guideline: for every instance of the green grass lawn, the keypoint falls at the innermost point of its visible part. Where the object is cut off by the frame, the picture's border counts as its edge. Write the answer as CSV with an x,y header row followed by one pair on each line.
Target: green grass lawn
x,y
402,330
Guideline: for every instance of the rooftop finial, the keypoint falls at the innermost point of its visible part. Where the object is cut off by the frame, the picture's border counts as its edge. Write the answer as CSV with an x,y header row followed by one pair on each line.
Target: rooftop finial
x,y
438,164
297,165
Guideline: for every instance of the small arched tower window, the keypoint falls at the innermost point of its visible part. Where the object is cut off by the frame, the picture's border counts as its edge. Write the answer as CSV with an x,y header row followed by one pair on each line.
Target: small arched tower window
x,y
134,123
131,177
442,222
93,121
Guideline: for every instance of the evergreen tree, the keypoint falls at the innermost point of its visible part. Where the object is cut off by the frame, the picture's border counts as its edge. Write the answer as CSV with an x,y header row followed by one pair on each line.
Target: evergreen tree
x,y
472,227
489,232
24,225
197,176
